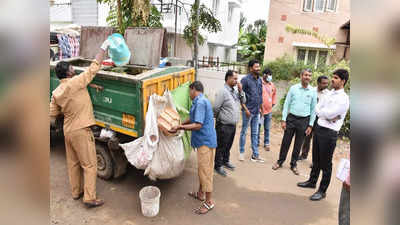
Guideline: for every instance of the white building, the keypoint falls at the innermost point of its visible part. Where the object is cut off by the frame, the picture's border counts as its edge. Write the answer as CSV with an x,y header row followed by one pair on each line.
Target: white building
x,y
80,12
221,44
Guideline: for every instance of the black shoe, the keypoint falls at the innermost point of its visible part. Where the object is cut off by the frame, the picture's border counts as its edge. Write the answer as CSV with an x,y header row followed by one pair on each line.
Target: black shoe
x,y
317,196
229,166
306,184
220,171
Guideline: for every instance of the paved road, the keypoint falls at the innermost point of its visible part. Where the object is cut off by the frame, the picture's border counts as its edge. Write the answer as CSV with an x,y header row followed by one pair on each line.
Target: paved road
x,y
253,194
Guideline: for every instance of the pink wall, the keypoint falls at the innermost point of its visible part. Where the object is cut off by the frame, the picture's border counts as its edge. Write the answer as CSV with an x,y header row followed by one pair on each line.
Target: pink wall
x,y
328,23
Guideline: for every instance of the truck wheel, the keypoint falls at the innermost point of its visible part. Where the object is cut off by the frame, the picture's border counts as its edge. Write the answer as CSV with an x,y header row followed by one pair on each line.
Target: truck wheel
x,y
105,166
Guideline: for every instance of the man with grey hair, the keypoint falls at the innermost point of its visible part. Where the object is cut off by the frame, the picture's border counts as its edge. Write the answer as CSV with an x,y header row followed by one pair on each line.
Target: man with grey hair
x,y
298,117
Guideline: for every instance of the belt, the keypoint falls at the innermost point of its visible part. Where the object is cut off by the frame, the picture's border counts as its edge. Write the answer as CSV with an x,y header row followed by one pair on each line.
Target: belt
x,y
299,117
228,125
327,129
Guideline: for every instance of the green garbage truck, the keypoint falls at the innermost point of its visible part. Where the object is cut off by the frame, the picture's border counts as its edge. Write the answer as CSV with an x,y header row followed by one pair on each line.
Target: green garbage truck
x,y
121,106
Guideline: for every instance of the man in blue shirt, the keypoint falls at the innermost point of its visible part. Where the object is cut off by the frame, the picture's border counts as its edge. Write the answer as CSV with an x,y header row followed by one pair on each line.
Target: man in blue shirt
x,y
252,87
297,119
204,139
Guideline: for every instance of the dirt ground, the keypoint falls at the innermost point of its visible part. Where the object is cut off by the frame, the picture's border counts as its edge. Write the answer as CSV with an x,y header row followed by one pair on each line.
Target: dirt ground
x,y
252,194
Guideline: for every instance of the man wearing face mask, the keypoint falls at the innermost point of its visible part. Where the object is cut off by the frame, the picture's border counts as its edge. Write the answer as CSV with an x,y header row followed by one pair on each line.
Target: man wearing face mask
x,y
298,117
269,101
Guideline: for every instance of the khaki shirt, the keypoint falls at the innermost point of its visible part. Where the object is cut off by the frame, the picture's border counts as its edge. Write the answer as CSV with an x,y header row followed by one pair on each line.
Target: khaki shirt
x,y
72,99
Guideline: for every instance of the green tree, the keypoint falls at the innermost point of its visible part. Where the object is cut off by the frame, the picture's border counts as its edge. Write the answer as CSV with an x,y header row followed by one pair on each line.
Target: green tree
x,y
207,21
132,13
242,21
252,41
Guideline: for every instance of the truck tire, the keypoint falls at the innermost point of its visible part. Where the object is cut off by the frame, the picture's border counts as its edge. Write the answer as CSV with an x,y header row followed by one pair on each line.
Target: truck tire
x,y
105,164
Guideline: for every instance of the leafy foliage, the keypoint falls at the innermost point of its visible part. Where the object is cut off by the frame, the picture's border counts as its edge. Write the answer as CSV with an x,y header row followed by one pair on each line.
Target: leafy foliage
x,y
207,21
327,71
285,68
134,13
252,41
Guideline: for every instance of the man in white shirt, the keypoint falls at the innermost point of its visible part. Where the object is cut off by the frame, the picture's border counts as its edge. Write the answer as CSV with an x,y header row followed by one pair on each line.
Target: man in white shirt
x,y
331,111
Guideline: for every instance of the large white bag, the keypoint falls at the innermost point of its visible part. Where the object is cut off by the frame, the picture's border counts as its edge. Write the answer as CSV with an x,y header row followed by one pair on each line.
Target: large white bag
x,y
161,156
140,151
169,158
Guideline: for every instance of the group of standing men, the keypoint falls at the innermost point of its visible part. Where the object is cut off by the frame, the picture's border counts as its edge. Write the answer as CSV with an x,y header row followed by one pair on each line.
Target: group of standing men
x,y
308,111
253,97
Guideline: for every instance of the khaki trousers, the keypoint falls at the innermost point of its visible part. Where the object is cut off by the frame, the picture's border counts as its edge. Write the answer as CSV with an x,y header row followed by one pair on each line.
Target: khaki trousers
x,y
82,163
205,160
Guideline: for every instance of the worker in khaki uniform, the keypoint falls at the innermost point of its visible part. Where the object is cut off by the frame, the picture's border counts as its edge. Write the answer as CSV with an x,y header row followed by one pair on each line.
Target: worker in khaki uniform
x,y
72,99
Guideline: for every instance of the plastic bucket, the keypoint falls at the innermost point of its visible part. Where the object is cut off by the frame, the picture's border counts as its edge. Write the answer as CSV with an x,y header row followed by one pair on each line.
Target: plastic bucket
x,y
150,200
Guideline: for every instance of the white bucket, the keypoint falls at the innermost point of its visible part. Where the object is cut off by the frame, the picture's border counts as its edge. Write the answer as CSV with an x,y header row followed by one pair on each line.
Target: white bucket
x,y
150,200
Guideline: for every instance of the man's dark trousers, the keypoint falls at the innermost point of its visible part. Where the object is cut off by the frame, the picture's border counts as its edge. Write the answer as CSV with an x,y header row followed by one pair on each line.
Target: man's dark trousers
x,y
225,136
324,145
295,125
307,141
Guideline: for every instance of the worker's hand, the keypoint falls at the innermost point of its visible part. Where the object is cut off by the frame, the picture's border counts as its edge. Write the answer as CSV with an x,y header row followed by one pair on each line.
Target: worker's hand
x,y
105,45
176,128
308,130
239,87
248,114
283,124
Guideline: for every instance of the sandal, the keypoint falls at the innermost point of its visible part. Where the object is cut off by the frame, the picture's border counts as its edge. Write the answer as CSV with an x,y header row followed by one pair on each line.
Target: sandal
x,y
295,171
276,166
204,208
78,197
195,195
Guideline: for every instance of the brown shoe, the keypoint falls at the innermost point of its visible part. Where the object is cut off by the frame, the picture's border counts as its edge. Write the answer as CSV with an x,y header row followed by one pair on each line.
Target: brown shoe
x,y
267,148
94,203
276,166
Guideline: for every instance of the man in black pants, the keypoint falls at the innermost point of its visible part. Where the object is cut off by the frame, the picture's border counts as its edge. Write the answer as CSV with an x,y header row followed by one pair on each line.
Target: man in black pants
x,y
297,119
227,112
322,89
331,111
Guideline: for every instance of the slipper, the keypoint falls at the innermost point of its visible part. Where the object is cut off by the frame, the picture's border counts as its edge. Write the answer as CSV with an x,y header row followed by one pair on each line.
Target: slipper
x,y
78,197
195,195
276,166
204,206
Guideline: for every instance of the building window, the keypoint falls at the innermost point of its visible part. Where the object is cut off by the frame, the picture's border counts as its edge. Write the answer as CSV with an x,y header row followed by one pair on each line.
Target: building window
x,y
211,50
319,5
230,14
313,57
331,5
215,7
307,7
301,55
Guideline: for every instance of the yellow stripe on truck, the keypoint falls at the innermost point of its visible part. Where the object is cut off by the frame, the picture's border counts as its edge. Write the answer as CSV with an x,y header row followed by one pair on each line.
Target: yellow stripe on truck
x,y
118,129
